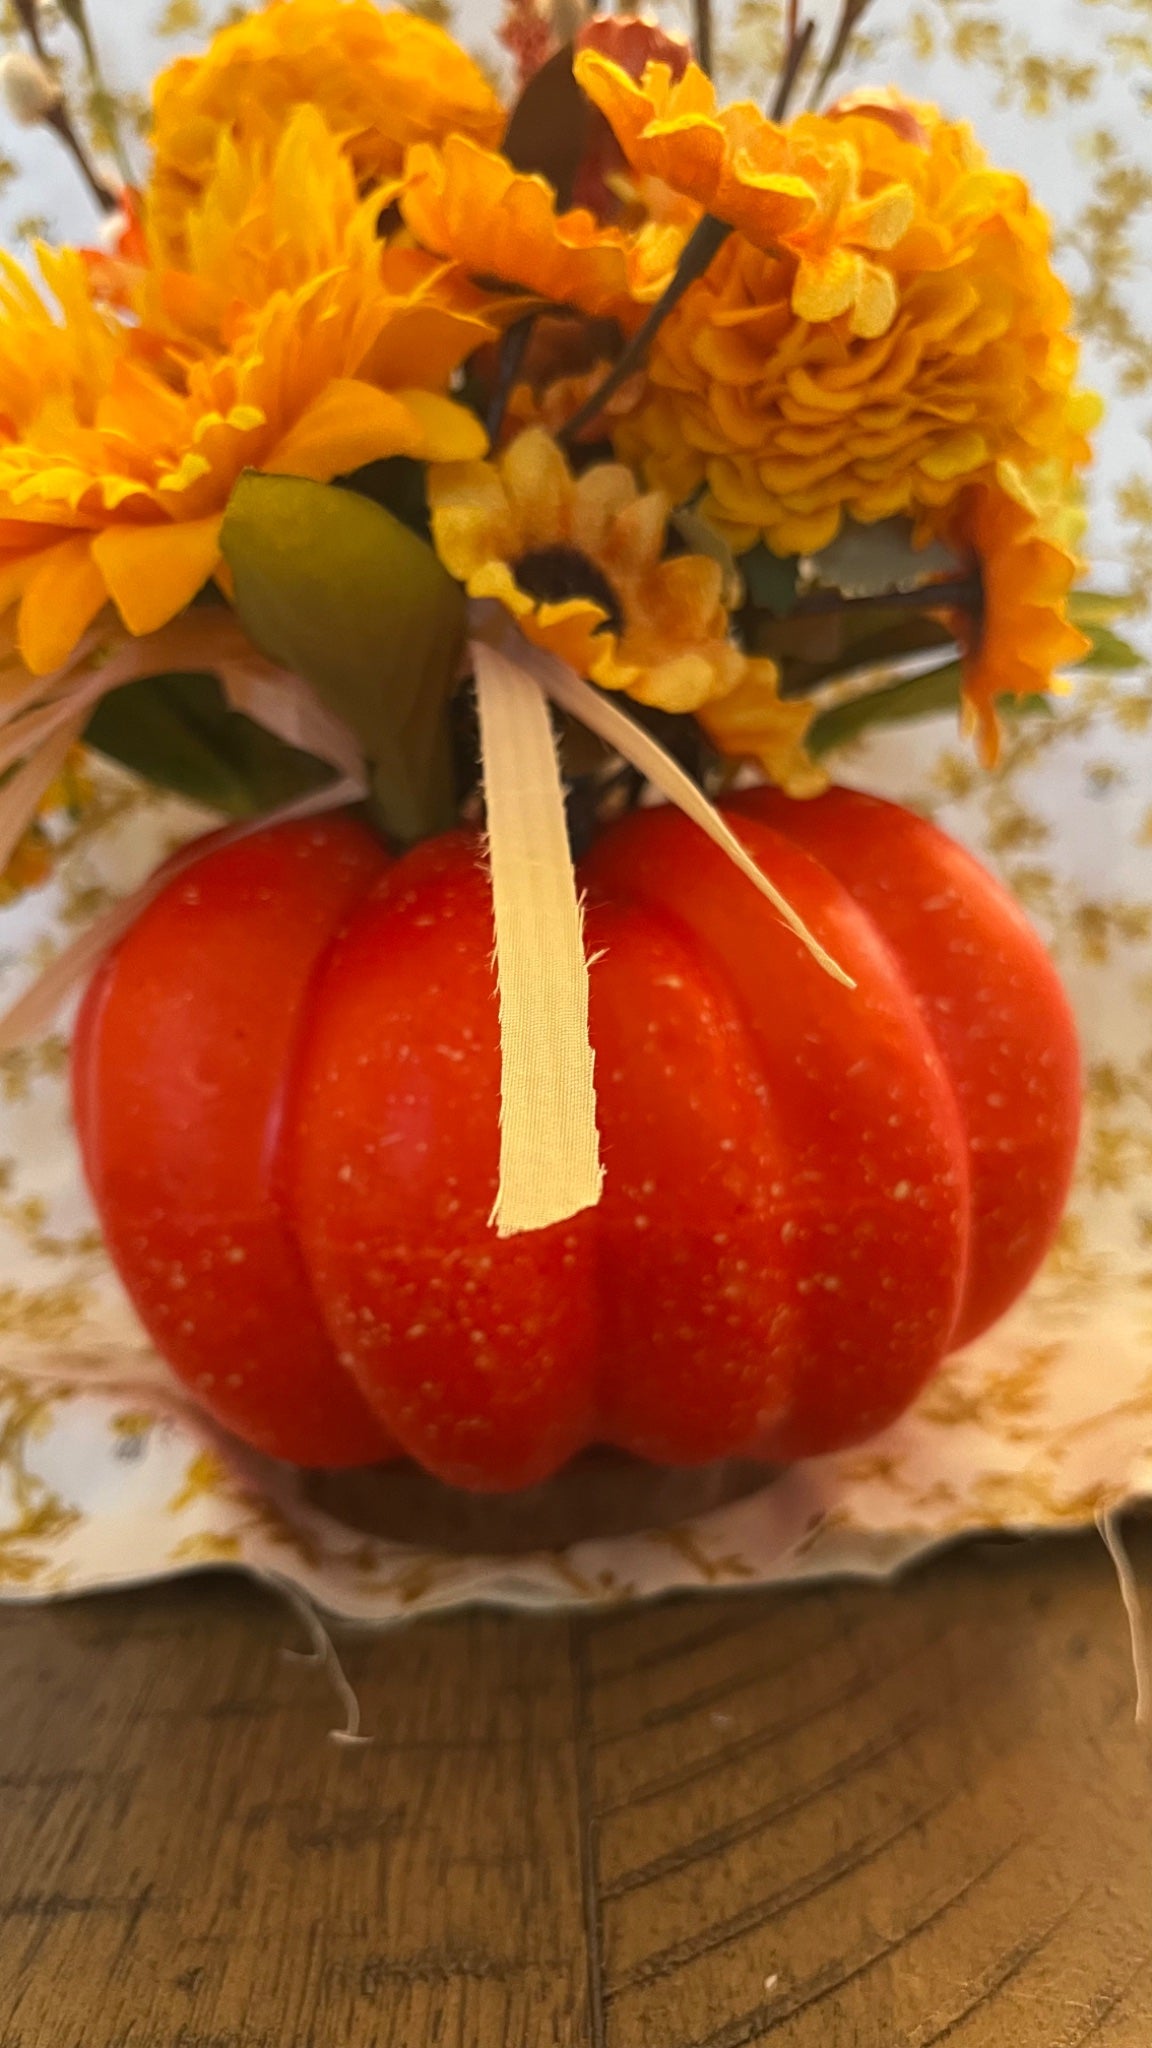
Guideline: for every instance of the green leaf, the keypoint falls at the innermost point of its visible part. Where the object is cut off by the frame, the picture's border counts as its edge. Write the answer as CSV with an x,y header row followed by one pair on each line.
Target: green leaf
x,y
864,560
769,580
1109,651
339,590
1088,608
179,732
920,697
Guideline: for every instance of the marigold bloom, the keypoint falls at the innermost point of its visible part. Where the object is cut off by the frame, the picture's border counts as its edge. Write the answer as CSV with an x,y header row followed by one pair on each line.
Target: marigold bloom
x,y
792,424
801,188
380,81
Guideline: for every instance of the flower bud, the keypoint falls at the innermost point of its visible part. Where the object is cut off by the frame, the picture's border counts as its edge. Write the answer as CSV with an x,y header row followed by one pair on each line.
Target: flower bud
x,y
29,92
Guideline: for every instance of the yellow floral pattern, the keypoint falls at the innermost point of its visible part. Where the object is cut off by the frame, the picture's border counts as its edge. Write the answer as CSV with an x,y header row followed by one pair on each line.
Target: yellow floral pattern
x,y
1045,1423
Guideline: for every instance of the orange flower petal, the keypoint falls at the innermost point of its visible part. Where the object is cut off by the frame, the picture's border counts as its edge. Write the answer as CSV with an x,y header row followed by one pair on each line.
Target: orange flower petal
x,y
62,596
152,572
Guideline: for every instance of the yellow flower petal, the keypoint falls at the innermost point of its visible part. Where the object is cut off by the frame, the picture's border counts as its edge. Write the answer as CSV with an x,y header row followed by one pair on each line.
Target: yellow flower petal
x,y
62,596
448,432
152,572
351,423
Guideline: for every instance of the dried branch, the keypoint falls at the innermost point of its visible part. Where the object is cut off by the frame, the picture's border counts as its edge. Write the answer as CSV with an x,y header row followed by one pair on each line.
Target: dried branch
x,y
704,39
851,14
796,48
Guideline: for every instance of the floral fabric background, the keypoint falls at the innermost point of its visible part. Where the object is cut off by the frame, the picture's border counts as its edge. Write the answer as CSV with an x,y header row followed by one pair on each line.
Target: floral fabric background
x,y
104,1474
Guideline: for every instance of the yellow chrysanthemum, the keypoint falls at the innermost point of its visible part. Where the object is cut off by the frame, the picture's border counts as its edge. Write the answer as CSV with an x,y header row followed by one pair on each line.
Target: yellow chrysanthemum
x,y
277,213
114,476
468,203
1020,635
802,188
380,81
580,564
790,424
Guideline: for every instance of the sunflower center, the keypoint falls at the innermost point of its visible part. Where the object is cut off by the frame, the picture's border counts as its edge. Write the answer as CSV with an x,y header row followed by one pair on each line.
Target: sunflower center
x,y
553,574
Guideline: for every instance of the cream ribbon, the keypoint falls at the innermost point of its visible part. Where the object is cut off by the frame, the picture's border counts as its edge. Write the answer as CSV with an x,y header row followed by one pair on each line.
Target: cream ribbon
x,y
550,1166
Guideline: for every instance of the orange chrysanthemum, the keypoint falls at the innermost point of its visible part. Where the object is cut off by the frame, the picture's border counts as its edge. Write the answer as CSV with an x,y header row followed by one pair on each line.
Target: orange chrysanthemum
x,y
1020,636
791,424
118,454
380,81
500,224
802,189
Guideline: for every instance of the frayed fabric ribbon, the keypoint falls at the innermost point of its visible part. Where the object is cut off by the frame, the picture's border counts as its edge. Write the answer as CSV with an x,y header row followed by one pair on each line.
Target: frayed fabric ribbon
x,y
550,1166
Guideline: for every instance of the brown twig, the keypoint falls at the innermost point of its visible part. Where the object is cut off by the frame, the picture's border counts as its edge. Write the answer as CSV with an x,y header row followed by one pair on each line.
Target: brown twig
x,y
851,13
58,117
703,13
701,247
60,122
796,48
29,14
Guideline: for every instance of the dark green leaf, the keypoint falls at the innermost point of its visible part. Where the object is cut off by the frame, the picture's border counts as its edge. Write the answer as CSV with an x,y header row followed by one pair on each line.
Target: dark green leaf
x,y
917,698
337,589
397,482
179,732
769,580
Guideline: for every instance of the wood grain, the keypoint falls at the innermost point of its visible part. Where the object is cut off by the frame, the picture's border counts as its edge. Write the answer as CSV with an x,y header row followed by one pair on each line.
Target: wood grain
x,y
846,1817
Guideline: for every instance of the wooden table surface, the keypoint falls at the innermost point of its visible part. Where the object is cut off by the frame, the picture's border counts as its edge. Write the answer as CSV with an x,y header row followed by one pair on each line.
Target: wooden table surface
x,y
847,1817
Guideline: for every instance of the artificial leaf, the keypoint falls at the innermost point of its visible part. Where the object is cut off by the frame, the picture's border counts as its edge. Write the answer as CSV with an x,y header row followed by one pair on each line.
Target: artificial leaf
x,y
1109,651
337,589
865,560
917,697
180,732
400,484
769,580
1088,608
899,703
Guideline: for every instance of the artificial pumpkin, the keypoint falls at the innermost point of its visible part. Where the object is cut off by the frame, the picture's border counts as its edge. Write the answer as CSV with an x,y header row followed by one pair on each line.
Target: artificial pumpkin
x,y
287,1096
